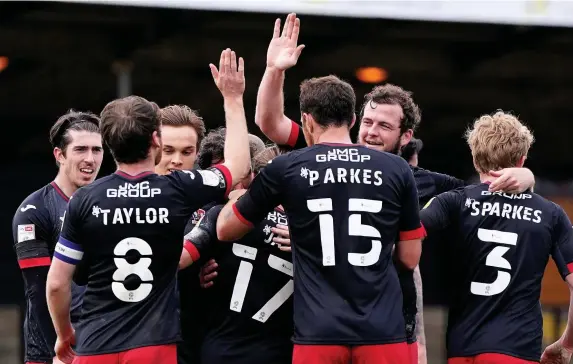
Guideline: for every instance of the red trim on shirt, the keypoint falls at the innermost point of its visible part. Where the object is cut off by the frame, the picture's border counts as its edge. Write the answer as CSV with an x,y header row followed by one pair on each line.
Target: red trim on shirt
x,y
340,144
59,191
570,267
34,262
192,250
227,175
129,176
418,233
241,217
293,136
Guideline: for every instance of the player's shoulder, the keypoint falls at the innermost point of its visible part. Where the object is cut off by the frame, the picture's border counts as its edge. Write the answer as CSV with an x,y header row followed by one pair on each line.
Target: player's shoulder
x,y
35,203
436,177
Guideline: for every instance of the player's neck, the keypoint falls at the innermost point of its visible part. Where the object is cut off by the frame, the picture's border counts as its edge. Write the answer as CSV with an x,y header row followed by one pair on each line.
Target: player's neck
x,y
134,169
486,178
334,135
67,187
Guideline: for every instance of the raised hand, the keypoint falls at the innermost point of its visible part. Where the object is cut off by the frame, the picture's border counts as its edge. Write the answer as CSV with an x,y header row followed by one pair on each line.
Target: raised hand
x,y
283,51
230,77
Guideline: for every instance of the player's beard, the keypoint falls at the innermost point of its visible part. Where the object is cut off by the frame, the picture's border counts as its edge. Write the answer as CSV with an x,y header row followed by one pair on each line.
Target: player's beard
x,y
395,147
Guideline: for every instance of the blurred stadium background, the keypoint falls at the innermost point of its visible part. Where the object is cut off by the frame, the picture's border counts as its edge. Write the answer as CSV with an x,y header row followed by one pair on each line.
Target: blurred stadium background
x,y
460,58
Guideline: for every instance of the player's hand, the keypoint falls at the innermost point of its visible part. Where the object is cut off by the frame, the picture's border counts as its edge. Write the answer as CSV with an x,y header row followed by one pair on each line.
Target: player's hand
x,y
512,180
283,51
63,348
282,237
208,273
230,76
55,360
556,353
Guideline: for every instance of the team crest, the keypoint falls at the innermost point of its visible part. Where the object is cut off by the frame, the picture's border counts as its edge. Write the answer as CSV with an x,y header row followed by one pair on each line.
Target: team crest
x,y
197,216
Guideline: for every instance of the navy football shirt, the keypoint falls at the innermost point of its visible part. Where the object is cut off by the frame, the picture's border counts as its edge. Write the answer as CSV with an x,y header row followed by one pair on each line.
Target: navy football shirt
x,y
36,228
346,206
499,248
193,300
428,184
250,305
127,232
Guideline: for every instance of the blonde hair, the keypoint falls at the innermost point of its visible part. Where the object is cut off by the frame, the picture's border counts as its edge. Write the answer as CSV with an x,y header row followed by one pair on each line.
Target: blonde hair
x,y
498,141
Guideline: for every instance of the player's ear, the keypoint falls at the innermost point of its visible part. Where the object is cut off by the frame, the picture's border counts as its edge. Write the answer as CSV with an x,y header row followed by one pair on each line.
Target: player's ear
x,y
308,122
59,155
521,161
156,140
406,137
353,121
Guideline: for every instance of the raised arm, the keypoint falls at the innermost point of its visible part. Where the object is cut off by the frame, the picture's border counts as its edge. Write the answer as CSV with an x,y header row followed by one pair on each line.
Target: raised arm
x,y
230,80
283,53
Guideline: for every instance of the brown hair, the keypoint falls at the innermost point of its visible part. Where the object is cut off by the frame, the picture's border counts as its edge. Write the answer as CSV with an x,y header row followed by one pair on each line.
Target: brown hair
x,y
72,120
127,127
395,95
182,115
261,159
498,141
329,100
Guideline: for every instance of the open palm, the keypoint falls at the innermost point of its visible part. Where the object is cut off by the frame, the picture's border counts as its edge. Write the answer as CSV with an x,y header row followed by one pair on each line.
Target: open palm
x,y
283,51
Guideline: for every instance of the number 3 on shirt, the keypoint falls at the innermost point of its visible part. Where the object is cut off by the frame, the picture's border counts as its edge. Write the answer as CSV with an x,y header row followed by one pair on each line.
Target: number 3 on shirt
x,y
495,259
355,228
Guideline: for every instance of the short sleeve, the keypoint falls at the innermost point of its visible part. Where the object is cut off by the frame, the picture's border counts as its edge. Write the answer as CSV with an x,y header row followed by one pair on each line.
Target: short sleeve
x,y
440,211
202,237
201,186
562,250
410,226
69,248
264,194
296,138
32,234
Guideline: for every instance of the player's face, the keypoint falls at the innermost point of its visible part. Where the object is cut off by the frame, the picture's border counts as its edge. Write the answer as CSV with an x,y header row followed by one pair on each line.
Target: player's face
x,y
380,128
83,157
179,148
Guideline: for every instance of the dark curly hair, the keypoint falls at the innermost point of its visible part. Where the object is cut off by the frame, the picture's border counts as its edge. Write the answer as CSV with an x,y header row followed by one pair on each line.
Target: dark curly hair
x,y
395,95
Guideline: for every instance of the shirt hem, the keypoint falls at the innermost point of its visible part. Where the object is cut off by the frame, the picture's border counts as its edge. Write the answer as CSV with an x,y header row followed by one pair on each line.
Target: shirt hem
x,y
38,360
348,342
126,348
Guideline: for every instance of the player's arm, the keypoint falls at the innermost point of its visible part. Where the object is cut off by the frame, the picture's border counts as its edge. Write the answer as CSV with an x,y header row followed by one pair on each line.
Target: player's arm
x,y
68,253
200,238
439,212
562,252
239,216
230,79
419,328
510,180
282,54
409,247
30,229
